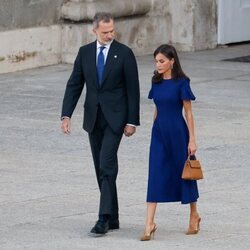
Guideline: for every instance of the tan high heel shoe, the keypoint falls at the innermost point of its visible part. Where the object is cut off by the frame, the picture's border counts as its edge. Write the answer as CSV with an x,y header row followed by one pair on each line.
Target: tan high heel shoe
x,y
194,229
146,237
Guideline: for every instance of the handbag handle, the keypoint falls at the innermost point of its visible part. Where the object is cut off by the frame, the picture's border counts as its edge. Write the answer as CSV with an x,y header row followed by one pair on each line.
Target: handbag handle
x,y
191,157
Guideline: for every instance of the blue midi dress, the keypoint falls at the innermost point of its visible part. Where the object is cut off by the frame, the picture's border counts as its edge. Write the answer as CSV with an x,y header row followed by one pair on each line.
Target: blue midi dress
x,y
169,144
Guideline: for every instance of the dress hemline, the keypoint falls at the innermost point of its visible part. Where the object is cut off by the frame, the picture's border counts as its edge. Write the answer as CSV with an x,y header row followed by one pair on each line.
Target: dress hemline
x,y
182,202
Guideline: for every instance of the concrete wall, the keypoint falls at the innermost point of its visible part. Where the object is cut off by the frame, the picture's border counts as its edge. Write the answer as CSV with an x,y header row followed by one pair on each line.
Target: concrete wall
x,y
205,28
84,10
15,14
30,48
142,34
141,24
190,24
187,24
28,36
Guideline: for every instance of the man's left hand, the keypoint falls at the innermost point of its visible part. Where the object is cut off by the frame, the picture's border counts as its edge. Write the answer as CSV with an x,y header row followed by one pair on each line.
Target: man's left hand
x,y
129,130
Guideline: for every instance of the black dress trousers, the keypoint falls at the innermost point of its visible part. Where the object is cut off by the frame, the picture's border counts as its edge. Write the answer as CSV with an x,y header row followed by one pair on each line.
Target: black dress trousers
x,y
104,144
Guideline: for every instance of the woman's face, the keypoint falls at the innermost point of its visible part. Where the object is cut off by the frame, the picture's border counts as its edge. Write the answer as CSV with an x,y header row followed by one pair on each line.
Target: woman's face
x,y
163,64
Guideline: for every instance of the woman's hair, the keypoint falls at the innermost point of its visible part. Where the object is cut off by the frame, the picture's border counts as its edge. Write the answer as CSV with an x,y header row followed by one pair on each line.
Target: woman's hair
x,y
169,52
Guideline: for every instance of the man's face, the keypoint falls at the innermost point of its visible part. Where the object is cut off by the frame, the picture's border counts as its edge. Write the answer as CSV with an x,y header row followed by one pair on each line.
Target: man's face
x,y
105,32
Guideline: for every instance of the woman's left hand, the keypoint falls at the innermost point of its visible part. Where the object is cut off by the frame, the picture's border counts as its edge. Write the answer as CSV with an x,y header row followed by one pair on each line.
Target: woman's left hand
x,y
192,148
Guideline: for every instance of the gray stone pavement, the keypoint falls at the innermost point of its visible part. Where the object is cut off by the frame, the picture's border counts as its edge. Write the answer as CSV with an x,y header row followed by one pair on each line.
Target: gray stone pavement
x,y
48,191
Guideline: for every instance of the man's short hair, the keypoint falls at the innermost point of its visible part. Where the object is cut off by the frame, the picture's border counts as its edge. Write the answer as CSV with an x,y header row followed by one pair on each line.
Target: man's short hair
x,y
102,16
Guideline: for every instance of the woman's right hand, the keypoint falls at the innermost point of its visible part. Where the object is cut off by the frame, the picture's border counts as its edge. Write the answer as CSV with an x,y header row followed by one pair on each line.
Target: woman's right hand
x,y
192,148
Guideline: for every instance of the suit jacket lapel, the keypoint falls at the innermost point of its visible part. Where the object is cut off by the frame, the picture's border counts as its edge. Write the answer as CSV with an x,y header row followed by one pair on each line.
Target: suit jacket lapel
x,y
92,62
112,55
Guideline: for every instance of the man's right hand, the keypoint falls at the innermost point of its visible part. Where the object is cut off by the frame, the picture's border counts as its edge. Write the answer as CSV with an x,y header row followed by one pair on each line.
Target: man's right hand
x,y
66,125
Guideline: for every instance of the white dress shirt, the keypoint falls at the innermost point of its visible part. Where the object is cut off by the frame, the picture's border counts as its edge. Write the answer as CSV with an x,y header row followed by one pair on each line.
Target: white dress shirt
x,y
105,50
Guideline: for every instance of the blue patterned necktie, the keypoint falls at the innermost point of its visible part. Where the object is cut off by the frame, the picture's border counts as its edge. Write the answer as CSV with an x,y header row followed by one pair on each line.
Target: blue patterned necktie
x,y
100,64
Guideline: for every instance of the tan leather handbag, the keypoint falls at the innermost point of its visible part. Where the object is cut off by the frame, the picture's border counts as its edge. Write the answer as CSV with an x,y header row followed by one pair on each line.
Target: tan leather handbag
x,y
192,169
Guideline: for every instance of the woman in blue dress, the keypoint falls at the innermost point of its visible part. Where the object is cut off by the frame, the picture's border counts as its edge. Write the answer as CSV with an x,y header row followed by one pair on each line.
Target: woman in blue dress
x,y
172,140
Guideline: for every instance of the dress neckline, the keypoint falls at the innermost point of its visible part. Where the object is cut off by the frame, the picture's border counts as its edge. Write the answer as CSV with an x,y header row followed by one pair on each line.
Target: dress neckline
x,y
170,79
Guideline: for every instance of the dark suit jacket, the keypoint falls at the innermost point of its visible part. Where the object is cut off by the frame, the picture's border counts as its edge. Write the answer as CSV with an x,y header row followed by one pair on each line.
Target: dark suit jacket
x,y
118,95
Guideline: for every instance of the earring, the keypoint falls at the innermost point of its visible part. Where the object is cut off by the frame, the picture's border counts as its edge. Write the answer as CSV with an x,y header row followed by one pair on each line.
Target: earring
x,y
171,66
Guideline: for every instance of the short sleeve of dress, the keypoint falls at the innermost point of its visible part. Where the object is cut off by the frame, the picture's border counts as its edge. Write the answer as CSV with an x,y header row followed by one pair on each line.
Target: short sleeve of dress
x,y
186,92
150,94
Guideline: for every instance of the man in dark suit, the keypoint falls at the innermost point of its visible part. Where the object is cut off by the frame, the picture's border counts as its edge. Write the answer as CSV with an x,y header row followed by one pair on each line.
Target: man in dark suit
x,y
111,109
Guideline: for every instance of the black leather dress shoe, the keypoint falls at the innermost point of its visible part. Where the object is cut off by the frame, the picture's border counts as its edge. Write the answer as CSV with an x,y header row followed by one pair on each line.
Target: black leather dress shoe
x,y
113,224
100,228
